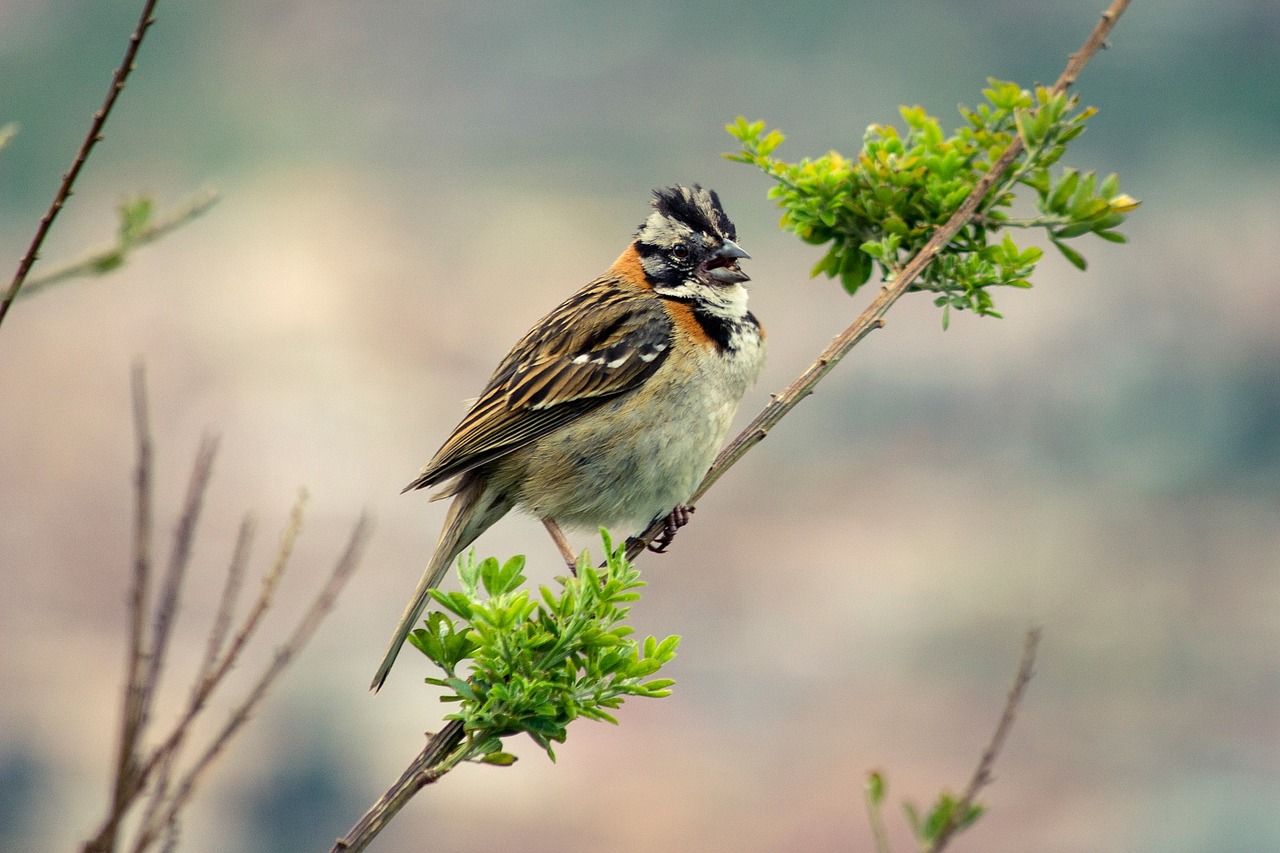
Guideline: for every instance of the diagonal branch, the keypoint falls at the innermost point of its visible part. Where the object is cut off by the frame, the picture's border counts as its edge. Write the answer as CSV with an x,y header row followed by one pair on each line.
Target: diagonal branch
x,y
429,766
91,138
873,317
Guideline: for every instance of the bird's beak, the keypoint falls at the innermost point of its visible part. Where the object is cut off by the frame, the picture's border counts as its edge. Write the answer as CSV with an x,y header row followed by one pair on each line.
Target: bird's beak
x,y
723,265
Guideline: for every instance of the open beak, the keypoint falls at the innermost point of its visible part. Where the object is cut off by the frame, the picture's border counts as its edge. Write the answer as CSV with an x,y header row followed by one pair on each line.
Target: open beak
x,y
723,265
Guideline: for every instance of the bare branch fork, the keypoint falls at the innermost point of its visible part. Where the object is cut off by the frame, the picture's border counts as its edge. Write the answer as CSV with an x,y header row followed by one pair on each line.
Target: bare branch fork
x,y
92,138
137,769
441,747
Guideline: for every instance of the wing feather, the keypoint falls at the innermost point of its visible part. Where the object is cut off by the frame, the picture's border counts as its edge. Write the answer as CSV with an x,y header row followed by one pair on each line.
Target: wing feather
x,y
601,342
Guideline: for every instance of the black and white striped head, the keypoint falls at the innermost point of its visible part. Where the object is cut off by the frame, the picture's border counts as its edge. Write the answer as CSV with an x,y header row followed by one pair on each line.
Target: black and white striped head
x,y
687,247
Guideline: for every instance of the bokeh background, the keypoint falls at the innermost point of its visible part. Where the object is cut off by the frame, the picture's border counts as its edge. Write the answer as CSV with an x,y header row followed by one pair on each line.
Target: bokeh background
x,y
409,185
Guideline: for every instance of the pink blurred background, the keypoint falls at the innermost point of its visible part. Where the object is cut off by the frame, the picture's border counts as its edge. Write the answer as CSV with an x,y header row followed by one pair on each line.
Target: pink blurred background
x,y
407,186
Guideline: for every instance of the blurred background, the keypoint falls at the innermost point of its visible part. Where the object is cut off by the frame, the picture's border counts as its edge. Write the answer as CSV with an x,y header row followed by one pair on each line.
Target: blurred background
x,y
407,186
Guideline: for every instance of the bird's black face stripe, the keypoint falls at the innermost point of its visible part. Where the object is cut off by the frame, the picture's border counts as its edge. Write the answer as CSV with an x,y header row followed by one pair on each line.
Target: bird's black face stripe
x,y
719,329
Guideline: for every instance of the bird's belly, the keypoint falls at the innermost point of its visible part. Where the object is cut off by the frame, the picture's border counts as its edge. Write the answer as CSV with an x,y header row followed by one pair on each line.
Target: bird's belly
x,y
620,464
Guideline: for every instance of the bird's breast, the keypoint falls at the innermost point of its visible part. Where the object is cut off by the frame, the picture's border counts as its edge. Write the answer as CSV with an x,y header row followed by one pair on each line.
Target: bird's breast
x,y
636,457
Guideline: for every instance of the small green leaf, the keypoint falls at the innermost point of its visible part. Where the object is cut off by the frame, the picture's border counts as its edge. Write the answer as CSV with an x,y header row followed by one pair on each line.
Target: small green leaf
x,y
1077,260
1106,223
1109,186
1026,128
855,269
108,262
462,688
939,817
1075,229
1090,208
875,788
135,216
1063,191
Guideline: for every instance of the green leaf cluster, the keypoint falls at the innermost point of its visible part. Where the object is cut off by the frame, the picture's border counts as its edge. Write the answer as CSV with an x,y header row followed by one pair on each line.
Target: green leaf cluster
x,y
515,662
878,209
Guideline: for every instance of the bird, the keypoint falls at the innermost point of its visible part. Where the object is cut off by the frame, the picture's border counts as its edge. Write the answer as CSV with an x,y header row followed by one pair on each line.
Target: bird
x,y
611,409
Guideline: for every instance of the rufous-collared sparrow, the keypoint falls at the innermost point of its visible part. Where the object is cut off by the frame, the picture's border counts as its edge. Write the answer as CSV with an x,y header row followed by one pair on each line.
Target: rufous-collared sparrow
x,y
611,409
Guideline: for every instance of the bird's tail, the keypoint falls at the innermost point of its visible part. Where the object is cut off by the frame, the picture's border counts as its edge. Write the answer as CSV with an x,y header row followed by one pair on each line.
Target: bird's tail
x,y
473,510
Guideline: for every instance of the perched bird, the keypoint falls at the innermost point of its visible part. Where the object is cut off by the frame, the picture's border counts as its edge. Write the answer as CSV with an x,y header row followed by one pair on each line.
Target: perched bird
x,y
611,409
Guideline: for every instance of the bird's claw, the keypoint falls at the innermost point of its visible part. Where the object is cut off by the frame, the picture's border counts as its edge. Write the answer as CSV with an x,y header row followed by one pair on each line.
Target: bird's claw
x,y
677,518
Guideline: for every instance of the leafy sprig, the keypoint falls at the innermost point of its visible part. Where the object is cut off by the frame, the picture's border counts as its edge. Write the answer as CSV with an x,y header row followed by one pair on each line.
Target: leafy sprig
x,y
949,815
515,662
139,223
880,208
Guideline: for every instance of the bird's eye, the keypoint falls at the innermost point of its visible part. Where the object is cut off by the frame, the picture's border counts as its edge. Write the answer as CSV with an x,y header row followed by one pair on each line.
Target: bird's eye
x,y
680,251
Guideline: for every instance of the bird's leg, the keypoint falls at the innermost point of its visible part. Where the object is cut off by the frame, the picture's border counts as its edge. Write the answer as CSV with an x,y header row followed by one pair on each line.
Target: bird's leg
x,y
678,518
557,536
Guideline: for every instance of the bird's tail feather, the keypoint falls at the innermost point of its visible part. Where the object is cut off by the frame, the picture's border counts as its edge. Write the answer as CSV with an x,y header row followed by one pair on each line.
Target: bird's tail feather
x,y
473,510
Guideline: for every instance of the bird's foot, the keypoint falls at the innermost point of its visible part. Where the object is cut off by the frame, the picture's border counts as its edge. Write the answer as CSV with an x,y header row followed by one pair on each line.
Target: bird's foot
x,y
678,518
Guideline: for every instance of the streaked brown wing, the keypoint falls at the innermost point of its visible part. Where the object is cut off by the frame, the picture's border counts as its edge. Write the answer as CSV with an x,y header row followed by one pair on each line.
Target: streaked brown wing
x,y
599,343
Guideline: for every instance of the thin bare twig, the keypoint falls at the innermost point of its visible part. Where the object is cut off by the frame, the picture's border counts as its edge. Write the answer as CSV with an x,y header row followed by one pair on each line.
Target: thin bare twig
x,y
91,138
873,317
982,775
227,602
183,538
288,538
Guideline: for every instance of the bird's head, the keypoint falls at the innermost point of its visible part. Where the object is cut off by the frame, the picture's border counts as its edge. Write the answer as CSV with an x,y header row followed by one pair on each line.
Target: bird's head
x,y
687,247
